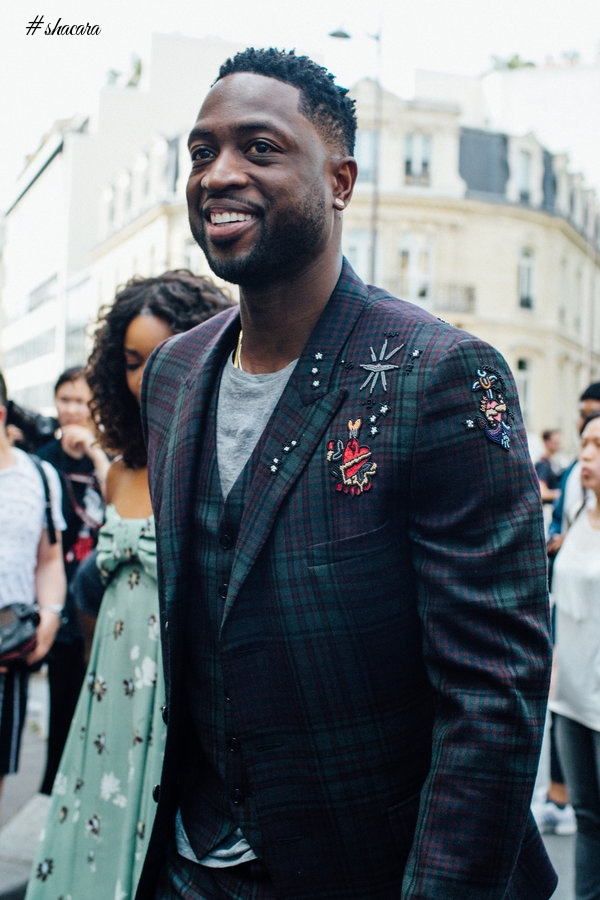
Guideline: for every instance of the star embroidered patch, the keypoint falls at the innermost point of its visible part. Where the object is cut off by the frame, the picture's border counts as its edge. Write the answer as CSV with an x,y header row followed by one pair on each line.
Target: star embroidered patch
x,y
378,367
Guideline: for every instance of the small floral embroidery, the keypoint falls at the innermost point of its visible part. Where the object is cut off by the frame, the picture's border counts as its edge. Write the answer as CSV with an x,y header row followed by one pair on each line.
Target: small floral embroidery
x,y
98,687
100,743
277,461
373,419
153,628
93,824
118,628
146,674
109,785
134,579
44,869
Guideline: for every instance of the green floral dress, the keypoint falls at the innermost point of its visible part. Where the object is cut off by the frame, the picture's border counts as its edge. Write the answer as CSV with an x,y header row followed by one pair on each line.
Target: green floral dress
x,y
101,810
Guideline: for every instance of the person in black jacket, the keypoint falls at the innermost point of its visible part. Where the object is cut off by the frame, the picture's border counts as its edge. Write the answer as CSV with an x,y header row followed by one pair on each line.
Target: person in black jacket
x,y
82,465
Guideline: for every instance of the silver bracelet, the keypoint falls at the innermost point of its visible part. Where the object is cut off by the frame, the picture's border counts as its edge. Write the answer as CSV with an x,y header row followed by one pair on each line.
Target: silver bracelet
x,y
53,607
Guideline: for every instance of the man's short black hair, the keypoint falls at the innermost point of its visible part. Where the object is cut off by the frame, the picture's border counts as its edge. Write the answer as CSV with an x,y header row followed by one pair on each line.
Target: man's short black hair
x,y
322,101
592,392
3,392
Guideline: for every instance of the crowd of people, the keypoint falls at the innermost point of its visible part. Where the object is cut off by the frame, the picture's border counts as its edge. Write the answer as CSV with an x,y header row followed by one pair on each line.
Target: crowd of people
x,y
288,657
572,798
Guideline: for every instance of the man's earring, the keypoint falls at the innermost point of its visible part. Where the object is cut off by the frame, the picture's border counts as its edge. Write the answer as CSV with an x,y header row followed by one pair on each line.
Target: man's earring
x,y
339,203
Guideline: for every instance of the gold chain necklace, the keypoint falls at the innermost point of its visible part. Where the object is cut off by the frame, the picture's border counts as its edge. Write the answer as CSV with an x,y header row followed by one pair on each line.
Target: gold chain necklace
x,y
237,356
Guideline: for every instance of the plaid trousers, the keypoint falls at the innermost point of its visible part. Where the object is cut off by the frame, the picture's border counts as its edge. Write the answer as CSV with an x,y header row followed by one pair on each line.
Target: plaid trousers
x,y
182,879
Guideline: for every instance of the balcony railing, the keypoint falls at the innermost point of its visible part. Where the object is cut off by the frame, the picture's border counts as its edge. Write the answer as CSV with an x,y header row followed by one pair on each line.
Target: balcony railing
x,y
450,298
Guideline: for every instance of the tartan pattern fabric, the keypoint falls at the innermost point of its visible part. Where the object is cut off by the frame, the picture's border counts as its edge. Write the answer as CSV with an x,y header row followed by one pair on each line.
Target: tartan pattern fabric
x,y
385,637
184,880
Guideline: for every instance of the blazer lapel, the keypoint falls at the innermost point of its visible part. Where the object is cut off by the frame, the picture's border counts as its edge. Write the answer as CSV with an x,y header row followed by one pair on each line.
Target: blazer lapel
x,y
179,464
307,406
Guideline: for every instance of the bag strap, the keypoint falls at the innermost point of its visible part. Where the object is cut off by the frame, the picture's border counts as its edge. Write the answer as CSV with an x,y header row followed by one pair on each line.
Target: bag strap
x,y
91,524
48,498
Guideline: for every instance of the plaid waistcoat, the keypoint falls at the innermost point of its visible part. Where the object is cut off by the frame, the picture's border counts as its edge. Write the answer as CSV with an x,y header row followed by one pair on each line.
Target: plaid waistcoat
x,y
215,796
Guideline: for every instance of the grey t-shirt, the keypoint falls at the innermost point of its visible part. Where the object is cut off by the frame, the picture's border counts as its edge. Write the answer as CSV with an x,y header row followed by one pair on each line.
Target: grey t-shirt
x,y
244,407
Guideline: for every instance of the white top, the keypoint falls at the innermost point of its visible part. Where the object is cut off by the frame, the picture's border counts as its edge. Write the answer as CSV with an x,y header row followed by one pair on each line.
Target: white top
x,y
576,591
22,519
573,496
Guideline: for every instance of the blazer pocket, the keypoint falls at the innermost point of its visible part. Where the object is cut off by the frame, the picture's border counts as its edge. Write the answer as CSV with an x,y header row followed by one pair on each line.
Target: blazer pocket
x,y
367,573
352,548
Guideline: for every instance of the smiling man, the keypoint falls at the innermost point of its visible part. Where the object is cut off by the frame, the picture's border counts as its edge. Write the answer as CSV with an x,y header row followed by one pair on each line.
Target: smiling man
x,y
352,564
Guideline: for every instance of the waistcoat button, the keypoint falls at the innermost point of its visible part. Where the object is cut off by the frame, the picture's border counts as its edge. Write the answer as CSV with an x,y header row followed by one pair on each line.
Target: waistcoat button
x,y
226,541
237,796
234,745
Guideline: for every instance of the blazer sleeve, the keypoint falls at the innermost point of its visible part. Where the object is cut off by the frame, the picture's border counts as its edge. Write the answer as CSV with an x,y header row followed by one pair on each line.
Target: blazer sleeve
x,y
479,553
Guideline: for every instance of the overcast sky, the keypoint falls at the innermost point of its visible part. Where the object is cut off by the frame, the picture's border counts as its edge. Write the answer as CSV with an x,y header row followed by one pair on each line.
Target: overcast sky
x,y
45,77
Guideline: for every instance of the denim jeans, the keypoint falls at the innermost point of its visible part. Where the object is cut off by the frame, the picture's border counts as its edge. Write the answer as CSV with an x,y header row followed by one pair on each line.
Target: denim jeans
x,y
579,749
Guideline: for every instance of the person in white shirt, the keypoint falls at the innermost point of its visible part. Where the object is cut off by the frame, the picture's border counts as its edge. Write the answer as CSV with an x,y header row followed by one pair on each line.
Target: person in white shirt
x,y
31,571
575,696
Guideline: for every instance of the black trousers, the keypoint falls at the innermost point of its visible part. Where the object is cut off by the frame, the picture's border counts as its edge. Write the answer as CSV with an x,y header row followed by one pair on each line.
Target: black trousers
x,y
66,668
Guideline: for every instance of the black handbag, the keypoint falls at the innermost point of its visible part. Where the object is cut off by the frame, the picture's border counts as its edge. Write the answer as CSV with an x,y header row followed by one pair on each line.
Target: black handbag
x,y
18,623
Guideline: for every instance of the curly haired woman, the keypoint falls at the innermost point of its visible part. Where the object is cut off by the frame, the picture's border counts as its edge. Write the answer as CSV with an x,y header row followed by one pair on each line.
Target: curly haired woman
x,y
102,808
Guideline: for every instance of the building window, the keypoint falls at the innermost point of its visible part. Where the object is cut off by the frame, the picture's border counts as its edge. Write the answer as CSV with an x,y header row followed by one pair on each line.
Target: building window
x,y
563,292
415,269
526,278
365,155
32,348
109,206
172,166
524,176
44,293
192,256
127,193
357,247
578,301
523,382
417,159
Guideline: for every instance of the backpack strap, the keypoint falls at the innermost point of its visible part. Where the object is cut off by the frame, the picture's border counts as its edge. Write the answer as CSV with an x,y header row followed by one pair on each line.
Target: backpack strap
x,y
48,498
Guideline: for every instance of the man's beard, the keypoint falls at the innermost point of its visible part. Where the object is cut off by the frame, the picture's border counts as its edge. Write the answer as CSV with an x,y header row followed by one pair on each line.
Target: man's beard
x,y
279,252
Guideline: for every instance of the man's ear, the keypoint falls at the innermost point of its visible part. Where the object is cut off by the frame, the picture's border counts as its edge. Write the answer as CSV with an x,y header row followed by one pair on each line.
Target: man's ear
x,y
344,179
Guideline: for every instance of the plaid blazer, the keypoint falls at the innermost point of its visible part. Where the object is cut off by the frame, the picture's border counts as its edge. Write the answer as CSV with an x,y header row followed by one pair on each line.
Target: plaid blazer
x,y
391,713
